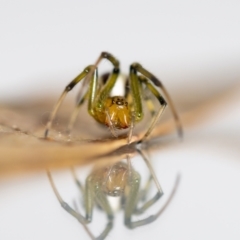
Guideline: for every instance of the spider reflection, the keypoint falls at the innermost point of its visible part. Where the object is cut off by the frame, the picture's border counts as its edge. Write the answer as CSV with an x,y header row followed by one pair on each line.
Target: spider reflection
x,y
116,180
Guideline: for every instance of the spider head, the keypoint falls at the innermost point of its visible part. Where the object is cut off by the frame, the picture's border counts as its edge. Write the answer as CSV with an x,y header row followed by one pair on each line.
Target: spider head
x,y
115,179
118,113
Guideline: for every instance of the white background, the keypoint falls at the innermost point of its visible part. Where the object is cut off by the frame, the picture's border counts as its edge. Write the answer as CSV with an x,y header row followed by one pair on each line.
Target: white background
x,y
193,46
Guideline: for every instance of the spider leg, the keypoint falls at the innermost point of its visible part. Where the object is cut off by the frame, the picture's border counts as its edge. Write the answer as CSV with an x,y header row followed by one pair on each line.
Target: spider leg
x,y
108,87
70,210
153,217
96,100
78,183
136,67
153,177
75,114
92,187
103,95
96,97
111,126
162,102
91,192
103,202
91,93
147,98
96,103
107,56
130,133
68,88
133,198
136,94
144,191
128,96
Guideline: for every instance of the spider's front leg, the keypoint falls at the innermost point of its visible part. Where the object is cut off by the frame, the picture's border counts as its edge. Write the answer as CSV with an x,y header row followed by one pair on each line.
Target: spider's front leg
x,y
68,88
97,99
144,78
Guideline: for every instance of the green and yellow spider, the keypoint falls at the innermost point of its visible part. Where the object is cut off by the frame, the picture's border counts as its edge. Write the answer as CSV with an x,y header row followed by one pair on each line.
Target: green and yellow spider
x,y
115,111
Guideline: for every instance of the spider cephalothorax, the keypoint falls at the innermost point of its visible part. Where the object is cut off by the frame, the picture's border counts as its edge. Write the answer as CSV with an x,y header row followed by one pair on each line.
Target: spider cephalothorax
x,y
115,112
111,179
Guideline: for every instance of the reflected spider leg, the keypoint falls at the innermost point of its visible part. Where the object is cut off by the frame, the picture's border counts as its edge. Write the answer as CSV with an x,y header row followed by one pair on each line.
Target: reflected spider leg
x,y
78,183
137,68
70,210
93,188
144,191
133,198
92,192
152,177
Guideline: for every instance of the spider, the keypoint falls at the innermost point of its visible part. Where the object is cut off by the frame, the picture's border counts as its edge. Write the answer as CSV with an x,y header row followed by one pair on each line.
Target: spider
x,y
116,180
117,112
